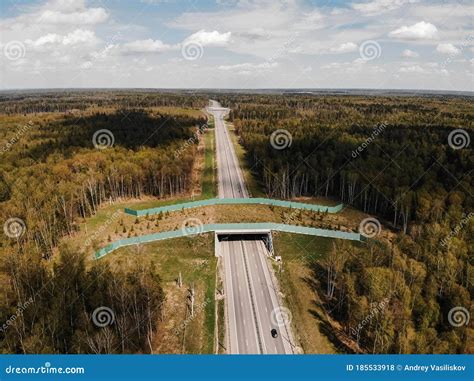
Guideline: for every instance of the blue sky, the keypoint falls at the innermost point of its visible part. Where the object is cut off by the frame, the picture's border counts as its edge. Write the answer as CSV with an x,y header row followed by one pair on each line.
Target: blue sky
x,y
401,44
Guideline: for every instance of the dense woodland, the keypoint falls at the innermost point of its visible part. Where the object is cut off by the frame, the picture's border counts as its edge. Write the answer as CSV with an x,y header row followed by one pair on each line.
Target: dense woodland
x,y
408,176
51,177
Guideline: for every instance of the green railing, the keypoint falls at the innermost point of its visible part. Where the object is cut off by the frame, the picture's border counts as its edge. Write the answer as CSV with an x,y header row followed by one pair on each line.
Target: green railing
x,y
240,227
234,201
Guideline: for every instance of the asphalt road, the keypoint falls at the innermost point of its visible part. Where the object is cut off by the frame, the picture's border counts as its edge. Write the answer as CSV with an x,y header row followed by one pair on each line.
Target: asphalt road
x,y
250,294
231,181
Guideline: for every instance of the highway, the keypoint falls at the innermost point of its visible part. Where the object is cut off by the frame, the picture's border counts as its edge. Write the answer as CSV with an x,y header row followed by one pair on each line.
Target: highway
x,y
231,181
248,286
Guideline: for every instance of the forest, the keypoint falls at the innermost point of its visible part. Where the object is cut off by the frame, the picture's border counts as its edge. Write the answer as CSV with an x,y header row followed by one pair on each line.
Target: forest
x,y
388,156
391,157
55,170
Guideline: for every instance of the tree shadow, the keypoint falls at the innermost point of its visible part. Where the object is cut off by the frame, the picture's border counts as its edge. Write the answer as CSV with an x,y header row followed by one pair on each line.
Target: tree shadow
x,y
325,327
130,129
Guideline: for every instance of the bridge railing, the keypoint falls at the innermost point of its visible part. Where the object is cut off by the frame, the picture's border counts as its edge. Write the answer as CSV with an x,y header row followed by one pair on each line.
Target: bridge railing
x,y
234,201
240,227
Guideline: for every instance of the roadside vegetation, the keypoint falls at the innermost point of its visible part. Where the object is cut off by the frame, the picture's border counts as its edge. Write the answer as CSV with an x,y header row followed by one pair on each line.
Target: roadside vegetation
x,y
192,258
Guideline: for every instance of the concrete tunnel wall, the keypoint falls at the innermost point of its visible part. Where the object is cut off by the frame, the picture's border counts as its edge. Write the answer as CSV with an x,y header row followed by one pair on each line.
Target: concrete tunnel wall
x,y
265,236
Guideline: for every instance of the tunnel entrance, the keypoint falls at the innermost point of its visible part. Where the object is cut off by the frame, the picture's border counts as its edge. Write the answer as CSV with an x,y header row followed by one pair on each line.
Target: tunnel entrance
x,y
265,237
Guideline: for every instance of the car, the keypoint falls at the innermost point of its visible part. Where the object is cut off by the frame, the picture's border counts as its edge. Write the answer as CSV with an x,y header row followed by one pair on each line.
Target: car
x,y
274,333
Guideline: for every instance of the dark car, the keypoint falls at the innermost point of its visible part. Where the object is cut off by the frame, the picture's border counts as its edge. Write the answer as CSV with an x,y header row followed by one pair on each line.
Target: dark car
x,y
274,333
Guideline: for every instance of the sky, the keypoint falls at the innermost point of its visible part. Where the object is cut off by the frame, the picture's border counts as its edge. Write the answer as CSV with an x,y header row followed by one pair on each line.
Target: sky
x,y
376,44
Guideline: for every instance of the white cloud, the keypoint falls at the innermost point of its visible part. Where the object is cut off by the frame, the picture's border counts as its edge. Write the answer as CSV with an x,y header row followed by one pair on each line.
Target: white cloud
x,y
81,17
419,31
449,49
429,68
79,36
275,38
344,48
145,46
407,53
54,40
249,66
412,69
213,38
380,6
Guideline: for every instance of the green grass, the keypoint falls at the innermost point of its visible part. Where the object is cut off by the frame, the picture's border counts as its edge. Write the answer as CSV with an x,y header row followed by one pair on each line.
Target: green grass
x,y
210,121
209,176
194,258
299,246
255,189
309,322
210,315
221,324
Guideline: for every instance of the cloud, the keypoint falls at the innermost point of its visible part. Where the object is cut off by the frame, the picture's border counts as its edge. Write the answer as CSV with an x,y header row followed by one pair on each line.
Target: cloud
x,y
344,48
213,38
145,46
412,69
449,49
419,31
275,38
81,17
249,66
429,68
54,40
380,6
407,53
